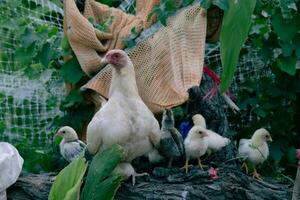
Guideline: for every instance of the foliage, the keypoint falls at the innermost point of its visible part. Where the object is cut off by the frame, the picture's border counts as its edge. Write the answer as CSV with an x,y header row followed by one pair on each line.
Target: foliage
x,y
235,27
222,4
274,102
100,184
67,183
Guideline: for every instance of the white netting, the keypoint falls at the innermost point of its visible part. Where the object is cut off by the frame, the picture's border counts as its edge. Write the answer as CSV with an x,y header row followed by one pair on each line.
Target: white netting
x,y
27,107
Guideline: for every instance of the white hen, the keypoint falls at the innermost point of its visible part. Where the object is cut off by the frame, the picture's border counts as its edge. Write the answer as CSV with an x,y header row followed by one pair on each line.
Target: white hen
x,y
255,150
124,119
126,170
70,147
195,145
215,141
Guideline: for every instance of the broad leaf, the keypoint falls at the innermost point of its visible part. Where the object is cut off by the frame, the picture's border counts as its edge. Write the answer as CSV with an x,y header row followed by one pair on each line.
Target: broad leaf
x,y
235,27
99,184
67,183
286,29
71,71
287,64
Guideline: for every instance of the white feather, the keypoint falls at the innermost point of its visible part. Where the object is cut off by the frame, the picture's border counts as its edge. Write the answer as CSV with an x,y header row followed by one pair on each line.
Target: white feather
x,y
216,141
124,119
195,145
256,149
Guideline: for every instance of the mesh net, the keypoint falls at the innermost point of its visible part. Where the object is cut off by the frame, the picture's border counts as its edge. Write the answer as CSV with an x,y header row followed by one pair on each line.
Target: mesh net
x,y
27,106
168,63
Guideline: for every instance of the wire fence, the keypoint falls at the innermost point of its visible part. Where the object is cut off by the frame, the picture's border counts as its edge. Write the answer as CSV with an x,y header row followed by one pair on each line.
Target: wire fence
x,y
28,107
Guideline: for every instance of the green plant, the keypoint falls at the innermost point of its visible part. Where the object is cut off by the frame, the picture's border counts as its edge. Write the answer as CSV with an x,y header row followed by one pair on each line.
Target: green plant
x,y
273,102
100,183
67,183
235,27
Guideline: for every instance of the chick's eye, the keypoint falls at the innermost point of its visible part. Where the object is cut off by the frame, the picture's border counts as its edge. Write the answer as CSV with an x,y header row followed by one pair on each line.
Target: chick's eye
x,y
63,132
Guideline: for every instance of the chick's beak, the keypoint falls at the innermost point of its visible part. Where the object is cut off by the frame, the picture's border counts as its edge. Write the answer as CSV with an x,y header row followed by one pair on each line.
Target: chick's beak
x,y
270,139
204,134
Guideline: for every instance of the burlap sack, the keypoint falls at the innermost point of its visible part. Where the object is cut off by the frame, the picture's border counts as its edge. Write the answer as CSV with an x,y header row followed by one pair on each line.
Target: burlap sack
x,y
90,44
167,63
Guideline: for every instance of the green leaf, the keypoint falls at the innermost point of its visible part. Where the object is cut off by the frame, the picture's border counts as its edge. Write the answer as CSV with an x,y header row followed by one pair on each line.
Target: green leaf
x,y
67,183
206,4
223,4
287,49
287,64
235,27
71,71
99,184
286,29
25,55
73,97
28,37
45,54
2,127
65,43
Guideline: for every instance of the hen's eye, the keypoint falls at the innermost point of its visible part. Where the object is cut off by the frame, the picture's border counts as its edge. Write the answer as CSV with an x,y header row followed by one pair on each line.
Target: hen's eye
x,y
64,132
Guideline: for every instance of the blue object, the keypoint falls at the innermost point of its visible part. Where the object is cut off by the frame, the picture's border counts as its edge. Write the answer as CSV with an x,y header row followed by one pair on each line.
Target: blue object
x,y
184,128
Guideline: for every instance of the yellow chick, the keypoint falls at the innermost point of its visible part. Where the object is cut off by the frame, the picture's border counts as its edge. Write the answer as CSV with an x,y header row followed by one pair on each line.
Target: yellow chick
x,y
195,145
215,141
255,150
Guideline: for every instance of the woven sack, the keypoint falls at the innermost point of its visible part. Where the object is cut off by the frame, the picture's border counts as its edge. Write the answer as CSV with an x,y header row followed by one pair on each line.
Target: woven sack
x,y
166,63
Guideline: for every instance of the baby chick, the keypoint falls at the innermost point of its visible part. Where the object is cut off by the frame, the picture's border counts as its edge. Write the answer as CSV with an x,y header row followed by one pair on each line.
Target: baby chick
x,y
126,170
255,150
195,145
70,146
215,141
171,142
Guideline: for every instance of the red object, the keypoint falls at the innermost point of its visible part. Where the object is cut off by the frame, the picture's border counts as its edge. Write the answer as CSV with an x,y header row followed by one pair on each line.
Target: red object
x,y
213,173
216,82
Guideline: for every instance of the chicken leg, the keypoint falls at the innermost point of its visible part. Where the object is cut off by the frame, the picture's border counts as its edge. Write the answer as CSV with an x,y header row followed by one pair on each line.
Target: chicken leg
x,y
200,164
256,175
186,166
136,175
244,165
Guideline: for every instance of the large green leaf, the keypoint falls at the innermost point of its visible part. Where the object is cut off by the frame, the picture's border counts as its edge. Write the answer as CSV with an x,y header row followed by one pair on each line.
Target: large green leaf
x,y
71,71
67,183
99,184
286,29
235,27
287,64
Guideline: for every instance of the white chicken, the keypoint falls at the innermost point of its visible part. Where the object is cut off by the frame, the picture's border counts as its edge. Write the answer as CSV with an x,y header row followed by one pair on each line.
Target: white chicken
x,y
255,150
70,147
195,145
124,119
126,170
215,141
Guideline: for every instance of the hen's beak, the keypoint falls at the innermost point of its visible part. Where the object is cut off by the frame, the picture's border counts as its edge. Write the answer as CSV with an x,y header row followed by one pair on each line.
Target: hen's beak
x,y
104,61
